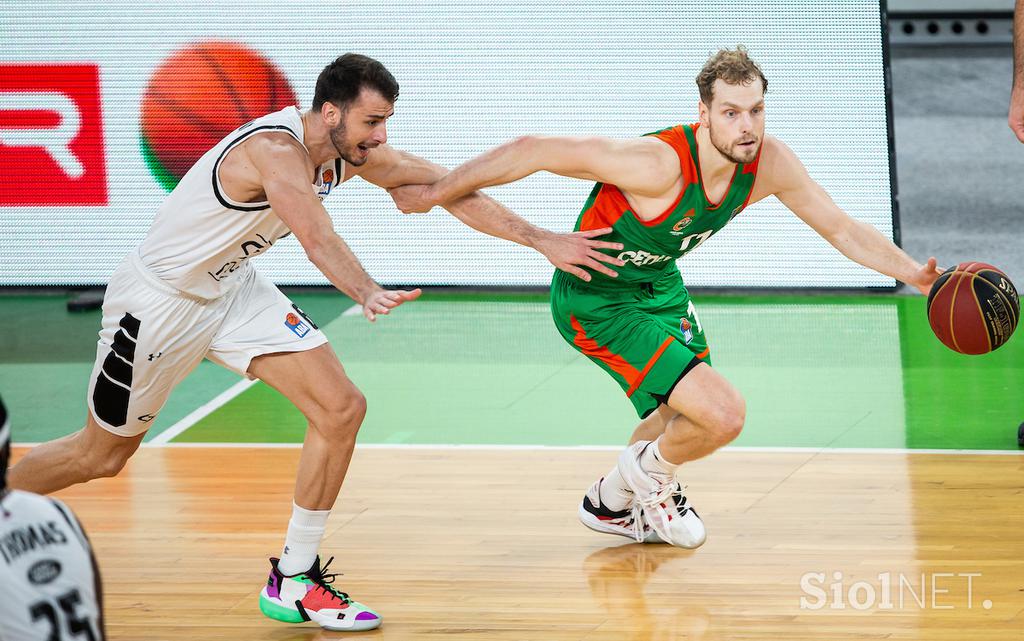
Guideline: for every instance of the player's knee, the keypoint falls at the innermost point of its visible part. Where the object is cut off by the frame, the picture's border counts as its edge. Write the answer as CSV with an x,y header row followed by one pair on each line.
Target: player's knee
x,y
341,418
728,421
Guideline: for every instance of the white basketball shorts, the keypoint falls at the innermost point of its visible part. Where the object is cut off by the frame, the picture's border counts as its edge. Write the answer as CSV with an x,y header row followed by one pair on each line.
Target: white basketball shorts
x,y
153,335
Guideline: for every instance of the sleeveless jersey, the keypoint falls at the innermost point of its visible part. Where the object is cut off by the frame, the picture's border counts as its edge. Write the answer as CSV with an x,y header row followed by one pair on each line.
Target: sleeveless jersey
x,y
49,587
651,247
201,240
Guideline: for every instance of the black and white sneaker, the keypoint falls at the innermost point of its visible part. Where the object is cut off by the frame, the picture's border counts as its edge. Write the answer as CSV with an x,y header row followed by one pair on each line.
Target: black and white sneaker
x,y
627,522
658,501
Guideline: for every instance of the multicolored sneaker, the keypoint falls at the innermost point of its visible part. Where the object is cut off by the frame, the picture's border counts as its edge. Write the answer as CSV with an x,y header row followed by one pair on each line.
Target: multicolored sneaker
x,y
659,501
309,597
598,517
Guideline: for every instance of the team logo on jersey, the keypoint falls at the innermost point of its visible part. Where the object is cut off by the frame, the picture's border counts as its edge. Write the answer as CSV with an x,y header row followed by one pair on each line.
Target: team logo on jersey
x,y
296,324
687,329
327,182
678,228
43,572
641,258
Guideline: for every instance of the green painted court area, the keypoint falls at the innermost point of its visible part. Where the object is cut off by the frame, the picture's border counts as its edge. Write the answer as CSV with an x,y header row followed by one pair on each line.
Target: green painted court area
x,y
490,369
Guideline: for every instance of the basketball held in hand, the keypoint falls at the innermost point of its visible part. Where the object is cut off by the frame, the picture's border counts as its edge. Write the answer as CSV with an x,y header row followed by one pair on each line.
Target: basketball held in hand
x,y
973,308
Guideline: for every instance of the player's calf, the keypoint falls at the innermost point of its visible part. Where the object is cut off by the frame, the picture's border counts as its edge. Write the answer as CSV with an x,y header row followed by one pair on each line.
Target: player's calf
x,y
88,454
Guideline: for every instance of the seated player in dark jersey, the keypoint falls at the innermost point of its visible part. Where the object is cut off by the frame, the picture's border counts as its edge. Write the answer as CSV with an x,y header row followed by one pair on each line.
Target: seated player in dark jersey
x,y
664,194
49,582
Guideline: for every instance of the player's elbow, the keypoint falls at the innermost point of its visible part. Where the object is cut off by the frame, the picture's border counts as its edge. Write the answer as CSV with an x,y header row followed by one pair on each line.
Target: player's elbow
x,y
523,144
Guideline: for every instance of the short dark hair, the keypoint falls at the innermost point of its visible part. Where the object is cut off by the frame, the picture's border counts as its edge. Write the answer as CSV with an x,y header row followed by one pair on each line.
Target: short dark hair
x,y
734,67
341,81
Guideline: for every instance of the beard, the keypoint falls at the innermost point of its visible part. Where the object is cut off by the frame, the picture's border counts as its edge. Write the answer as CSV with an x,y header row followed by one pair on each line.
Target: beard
x,y
348,152
739,156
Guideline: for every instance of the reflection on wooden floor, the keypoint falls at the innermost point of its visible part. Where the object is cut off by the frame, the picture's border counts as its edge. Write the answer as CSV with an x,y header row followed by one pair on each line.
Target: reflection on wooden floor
x,y
470,544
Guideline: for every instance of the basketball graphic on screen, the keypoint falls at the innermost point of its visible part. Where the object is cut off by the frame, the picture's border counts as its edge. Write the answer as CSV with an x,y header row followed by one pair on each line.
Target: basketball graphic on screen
x,y
973,308
201,94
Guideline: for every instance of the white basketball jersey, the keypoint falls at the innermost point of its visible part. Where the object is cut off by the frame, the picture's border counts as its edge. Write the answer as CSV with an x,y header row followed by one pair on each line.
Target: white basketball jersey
x,y
49,587
201,239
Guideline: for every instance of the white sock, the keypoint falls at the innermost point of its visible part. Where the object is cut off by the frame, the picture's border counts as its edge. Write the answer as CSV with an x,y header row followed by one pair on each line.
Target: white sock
x,y
305,530
615,495
652,461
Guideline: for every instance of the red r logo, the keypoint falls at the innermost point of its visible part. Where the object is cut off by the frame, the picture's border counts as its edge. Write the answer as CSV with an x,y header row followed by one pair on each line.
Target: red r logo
x,y
51,135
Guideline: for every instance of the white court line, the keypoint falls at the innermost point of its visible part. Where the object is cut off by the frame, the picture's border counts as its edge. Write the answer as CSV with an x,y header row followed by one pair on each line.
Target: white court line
x,y
355,310
163,438
615,448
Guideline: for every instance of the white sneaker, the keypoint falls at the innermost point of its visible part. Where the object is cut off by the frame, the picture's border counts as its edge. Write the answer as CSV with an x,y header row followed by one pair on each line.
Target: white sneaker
x,y
658,500
598,517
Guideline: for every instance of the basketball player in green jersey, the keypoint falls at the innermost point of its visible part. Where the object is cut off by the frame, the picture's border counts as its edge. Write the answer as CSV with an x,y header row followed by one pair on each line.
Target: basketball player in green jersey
x,y
663,195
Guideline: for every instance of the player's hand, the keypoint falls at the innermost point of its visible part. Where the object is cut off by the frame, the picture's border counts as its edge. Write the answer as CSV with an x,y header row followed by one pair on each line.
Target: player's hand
x,y
926,276
412,199
1016,118
383,301
572,252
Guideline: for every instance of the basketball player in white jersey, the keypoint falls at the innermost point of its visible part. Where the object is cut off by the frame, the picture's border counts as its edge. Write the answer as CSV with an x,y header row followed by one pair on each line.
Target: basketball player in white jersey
x,y
189,291
49,583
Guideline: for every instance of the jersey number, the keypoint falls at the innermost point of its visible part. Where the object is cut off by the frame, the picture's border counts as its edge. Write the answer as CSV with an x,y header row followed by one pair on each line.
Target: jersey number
x,y
75,625
701,237
692,312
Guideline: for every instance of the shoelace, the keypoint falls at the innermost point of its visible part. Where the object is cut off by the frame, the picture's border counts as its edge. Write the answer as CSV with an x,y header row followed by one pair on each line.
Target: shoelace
x,y
666,491
322,580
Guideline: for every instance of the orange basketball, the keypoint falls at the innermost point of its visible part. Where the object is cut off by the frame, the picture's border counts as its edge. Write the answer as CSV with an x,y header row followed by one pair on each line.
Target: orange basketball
x,y
201,94
973,308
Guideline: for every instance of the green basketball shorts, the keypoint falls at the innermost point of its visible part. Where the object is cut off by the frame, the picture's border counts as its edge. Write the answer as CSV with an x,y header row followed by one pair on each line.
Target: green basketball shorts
x,y
646,337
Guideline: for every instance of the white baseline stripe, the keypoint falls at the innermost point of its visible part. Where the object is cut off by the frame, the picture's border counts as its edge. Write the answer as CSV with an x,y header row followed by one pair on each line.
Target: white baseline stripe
x,y
355,310
163,438
615,448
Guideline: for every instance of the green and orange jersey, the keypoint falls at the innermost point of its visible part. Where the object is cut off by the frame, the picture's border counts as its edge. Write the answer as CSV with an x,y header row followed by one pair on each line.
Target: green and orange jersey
x,y
651,247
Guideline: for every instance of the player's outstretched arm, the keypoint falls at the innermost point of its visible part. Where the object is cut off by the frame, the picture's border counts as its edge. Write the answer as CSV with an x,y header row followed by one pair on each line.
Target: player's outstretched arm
x,y
284,169
393,170
1016,116
641,166
789,181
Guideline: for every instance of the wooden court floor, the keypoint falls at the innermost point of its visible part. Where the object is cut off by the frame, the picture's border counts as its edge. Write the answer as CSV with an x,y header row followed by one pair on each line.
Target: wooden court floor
x,y
484,544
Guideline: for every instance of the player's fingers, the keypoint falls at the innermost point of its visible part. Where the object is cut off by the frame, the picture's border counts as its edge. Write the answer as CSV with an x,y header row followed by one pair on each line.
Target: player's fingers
x,y
598,267
600,244
577,272
607,258
410,295
370,316
591,233
1017,125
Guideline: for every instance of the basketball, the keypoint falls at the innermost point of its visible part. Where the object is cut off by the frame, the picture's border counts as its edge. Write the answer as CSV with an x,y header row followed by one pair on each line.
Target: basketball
x,y
973,308
199,95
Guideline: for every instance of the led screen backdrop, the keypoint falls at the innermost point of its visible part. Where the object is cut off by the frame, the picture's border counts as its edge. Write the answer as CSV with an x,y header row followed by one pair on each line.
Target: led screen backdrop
x,y
87,91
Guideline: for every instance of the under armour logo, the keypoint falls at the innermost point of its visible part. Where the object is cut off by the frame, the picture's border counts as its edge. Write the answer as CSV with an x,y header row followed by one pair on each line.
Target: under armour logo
x,y
145,418
286,550
157,355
